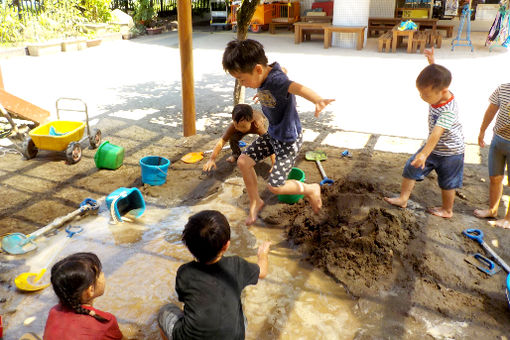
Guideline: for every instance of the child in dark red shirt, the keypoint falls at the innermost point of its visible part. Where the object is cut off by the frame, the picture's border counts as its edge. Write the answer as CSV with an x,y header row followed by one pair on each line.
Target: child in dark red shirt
x,y
78,280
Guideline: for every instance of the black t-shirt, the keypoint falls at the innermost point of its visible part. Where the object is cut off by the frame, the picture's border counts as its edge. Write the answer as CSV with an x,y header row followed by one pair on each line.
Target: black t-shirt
x,y
212,298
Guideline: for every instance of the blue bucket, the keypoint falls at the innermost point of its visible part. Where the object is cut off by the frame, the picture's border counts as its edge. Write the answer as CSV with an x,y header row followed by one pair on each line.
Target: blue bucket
x,y
125,201
154,169
508,289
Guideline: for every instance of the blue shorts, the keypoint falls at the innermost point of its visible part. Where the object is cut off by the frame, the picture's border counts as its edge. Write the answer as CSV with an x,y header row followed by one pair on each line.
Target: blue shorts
x,y
450,170
499,156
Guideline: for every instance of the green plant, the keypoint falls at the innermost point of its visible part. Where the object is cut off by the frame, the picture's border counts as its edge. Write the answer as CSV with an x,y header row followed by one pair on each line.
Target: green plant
x,y
144,12
96,10
10,26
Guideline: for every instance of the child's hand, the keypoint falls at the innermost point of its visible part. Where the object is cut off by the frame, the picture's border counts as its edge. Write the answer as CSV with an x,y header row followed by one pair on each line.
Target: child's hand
x,y
419,161
210,165
481,142
264,248
321,104
430,55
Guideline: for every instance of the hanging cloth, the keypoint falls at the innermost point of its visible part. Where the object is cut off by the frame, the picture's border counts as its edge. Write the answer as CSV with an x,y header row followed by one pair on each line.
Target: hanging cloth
x,y
494,31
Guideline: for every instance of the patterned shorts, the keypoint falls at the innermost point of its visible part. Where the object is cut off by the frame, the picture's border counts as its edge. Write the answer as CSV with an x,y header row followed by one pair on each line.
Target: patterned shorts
x,y
285,152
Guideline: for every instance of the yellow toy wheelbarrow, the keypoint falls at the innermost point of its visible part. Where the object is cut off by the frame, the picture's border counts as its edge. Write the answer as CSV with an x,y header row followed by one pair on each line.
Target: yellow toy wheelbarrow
x,y
61,135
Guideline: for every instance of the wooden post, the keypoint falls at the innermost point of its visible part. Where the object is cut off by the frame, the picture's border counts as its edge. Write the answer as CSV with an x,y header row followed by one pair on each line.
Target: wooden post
x,y
186,48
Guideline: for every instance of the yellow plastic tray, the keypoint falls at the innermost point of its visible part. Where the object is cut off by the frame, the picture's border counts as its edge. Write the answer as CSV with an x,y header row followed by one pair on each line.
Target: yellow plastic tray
x,y
72,132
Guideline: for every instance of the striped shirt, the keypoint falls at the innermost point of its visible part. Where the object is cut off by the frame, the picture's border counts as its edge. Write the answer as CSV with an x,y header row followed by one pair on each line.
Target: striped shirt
x,y
501,98
446,116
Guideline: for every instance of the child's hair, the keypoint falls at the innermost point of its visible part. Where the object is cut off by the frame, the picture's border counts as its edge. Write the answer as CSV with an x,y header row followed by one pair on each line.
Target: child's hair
x,y
242,112
205,234
71,276
436,76
243,55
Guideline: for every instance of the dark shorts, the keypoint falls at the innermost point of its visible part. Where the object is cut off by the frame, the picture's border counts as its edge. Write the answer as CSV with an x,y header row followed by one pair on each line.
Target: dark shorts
x,y
450,170
285,152
499,156
167,317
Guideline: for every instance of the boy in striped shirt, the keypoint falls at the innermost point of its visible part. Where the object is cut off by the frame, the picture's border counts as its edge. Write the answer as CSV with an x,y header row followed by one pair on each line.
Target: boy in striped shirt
x,y
444,149
499,151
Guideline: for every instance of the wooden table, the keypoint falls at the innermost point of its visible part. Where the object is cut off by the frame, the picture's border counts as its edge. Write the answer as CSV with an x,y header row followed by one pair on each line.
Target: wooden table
x,y
398,37
427,22
317,18
328,33
300,27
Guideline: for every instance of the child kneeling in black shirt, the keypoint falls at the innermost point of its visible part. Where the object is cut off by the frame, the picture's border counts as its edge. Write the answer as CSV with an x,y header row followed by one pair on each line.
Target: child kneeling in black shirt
x,y
210,287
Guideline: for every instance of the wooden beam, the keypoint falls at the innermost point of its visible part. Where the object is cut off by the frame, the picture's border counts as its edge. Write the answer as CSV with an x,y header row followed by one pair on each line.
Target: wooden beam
x,y
186,48
1,80
23,109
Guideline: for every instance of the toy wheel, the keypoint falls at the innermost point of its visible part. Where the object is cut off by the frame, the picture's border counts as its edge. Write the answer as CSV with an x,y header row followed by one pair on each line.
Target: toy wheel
x,y
95,138
29,148
73,153
255,27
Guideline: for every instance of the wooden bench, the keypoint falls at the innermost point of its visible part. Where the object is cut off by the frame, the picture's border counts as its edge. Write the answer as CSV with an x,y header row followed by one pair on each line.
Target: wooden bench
x,y
274,24
360,31
377,26
384,42
447,28
420,39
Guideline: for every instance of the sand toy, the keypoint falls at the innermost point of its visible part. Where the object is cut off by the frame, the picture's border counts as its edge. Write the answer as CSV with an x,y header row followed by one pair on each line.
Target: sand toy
x,y
62,135
18,243
28,282
319,156
197,156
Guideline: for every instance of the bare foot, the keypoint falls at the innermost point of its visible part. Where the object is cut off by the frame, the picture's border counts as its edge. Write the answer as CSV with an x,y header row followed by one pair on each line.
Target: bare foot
x,y
254,211
315,198
232,159
396,201
484,213
439,211
505,224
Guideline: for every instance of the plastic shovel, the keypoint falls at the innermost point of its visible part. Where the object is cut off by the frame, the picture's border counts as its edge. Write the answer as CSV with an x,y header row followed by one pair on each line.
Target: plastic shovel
x,y
18,243
319,156
194,157
28,281
477,235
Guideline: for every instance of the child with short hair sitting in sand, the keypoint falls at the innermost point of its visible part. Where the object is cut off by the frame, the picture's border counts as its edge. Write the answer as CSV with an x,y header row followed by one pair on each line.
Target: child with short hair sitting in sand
x,y
210,286
444,149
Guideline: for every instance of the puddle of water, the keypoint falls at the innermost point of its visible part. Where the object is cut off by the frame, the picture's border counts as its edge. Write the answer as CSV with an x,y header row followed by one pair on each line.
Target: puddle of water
x,y
140,261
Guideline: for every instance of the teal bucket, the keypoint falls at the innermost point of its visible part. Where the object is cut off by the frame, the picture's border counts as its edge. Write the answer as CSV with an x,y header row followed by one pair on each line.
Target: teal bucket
x,y
298,175
154,170
125,201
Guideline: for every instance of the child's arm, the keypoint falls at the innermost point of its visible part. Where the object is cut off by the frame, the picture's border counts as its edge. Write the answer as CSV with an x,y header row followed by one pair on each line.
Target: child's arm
x,y
262,261
273,160
487,119
310,95
211,163
421,157
430,55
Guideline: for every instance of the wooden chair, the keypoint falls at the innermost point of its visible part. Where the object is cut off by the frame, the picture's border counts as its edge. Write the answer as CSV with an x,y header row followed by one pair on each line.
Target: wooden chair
x,y
434,40
419,41
384,42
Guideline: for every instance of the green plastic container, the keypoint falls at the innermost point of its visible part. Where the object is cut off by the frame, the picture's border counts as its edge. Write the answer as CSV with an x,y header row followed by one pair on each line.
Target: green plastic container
x,y
298,175
109,156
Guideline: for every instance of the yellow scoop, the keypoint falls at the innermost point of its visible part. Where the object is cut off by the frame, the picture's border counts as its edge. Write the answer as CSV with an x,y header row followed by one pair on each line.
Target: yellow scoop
x,y
28,281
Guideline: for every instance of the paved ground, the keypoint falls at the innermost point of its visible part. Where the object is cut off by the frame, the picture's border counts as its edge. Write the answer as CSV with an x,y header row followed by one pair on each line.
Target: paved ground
x,y
375,92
